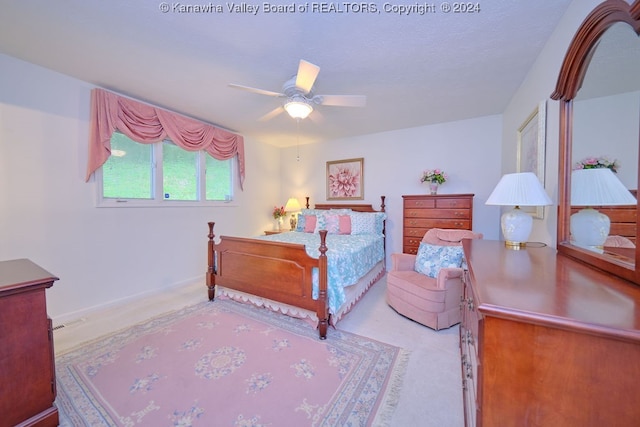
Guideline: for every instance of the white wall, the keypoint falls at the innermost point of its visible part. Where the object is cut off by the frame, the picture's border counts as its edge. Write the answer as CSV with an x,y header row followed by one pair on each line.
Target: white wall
x,y
468,150
48,212
538,86
608,126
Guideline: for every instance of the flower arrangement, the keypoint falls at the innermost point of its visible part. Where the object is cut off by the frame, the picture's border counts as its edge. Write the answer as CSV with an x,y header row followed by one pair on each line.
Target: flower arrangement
x,y
434,175
598,162
279,212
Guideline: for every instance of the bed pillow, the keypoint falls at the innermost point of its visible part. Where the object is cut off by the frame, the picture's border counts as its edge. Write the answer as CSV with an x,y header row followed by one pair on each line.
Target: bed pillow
x,y
310,222
341,211
431,258
300,224
367,222
301,217
344,224
332,223
321,224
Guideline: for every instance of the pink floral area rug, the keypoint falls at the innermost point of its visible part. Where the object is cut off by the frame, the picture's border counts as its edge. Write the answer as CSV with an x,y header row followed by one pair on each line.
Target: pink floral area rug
x,y
224,363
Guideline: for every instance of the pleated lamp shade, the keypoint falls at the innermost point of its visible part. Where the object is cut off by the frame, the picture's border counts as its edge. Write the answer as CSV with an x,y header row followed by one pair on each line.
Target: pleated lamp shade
x,y
518,189
595,187
598,187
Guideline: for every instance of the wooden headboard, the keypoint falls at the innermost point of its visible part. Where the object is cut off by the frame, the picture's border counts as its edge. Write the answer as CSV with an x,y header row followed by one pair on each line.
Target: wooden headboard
x,y
358,207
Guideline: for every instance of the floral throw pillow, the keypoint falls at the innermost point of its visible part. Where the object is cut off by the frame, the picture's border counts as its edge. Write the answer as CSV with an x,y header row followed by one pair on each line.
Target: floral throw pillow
x,y
431,258
332,223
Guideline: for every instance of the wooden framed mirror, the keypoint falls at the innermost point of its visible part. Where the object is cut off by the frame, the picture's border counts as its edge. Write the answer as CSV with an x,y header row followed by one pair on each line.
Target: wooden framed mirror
x,y
599,93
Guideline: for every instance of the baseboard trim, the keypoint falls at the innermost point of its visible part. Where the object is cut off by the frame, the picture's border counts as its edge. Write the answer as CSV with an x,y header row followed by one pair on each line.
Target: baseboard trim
x,y
79,316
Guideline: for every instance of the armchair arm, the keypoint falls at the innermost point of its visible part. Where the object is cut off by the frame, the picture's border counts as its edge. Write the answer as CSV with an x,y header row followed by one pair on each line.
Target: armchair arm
x,y
447,274
402,262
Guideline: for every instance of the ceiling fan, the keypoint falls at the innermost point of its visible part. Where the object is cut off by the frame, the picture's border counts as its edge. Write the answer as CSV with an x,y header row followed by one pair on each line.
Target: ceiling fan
x,y
299,95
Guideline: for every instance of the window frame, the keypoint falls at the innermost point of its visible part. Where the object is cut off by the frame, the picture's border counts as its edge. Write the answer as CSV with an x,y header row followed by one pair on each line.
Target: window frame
x,y
158,199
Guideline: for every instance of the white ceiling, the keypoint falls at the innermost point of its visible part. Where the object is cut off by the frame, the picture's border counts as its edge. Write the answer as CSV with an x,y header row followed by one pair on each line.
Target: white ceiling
x,y
415,70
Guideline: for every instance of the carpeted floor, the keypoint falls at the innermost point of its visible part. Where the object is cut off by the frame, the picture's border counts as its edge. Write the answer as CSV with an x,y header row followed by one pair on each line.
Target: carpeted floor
x,y
226,363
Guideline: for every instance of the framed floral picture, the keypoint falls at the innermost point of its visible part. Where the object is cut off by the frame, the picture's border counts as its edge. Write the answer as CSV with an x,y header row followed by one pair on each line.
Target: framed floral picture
x,y
345,179
531,150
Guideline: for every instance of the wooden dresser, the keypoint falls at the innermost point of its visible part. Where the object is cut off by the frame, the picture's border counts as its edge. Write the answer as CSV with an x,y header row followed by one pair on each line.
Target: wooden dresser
x,y
422,212
28,385
547,341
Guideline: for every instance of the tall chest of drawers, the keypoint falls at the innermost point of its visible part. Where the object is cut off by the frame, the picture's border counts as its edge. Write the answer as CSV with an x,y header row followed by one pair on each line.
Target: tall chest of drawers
x,y
423,212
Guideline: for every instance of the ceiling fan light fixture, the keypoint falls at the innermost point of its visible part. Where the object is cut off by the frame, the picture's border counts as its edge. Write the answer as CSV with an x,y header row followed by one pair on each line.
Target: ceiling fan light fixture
x,y
298,108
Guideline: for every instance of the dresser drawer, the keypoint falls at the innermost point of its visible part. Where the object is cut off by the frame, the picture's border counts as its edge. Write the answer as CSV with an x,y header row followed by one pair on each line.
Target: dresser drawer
x,y
436,213
470,328
454,203
415,226
411,244
429,203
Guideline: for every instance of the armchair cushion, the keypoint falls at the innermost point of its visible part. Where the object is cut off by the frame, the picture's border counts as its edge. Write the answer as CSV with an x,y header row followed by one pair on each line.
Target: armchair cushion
x,y
431,258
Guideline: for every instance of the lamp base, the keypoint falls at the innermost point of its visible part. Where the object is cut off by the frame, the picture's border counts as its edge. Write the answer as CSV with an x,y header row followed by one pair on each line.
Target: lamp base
x,y
515,245
516,227
590,228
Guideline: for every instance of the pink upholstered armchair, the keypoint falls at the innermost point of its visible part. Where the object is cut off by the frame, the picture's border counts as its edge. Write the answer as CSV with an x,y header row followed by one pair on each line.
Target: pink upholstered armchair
x,y
433,302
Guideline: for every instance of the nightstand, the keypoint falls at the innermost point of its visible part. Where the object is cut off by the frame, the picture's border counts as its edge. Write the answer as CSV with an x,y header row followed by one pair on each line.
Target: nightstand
x,y
270,232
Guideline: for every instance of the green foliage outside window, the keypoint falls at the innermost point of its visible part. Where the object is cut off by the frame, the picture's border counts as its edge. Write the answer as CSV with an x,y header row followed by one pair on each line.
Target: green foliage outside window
x,y
129,172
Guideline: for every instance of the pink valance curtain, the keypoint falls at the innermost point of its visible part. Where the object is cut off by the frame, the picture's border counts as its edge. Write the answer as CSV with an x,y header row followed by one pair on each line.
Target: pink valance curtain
x,y
147,124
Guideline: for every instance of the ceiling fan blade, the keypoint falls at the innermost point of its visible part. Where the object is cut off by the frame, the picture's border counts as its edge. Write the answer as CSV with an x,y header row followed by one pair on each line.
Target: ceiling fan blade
x,y
317,117
341,100
254,90
271,114
306,77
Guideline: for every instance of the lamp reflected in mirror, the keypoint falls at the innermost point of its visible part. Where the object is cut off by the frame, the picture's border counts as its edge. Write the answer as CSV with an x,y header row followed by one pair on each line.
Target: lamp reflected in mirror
x,y
590,188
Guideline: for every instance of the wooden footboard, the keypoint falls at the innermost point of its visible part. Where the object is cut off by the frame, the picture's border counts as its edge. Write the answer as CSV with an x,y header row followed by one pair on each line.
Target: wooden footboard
x,y
277,271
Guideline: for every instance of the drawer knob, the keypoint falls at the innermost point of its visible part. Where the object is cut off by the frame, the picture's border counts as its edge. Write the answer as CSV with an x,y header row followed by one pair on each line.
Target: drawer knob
x,y
470,305
469,338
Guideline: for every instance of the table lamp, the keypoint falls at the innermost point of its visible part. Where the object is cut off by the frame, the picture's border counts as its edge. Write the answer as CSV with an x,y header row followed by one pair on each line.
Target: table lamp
x,y
292,206
518,189
595,187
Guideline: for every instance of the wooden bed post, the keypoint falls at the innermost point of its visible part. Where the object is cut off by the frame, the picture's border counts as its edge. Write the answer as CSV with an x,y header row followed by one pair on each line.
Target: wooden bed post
x,y
322,311
307,202
211,273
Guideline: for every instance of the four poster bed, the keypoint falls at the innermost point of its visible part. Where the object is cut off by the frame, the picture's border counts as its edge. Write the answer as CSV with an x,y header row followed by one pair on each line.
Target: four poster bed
x,y
318,272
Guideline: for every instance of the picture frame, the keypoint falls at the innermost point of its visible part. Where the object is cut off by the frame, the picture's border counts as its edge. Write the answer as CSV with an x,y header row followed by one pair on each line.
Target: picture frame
x,y
345,179
532,150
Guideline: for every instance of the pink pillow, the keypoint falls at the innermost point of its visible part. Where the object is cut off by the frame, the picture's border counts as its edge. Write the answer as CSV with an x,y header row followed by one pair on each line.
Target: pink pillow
x,y
344,224
310,223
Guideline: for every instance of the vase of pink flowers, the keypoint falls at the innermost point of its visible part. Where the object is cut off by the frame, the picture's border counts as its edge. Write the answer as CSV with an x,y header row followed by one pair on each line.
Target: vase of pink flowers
x,y
278,214
597,163
434,177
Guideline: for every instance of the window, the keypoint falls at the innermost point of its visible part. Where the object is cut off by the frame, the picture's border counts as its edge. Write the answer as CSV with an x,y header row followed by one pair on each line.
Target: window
x,y
162,173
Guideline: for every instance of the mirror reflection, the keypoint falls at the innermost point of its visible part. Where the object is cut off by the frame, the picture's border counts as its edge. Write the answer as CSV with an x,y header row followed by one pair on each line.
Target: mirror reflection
x,y
606,135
